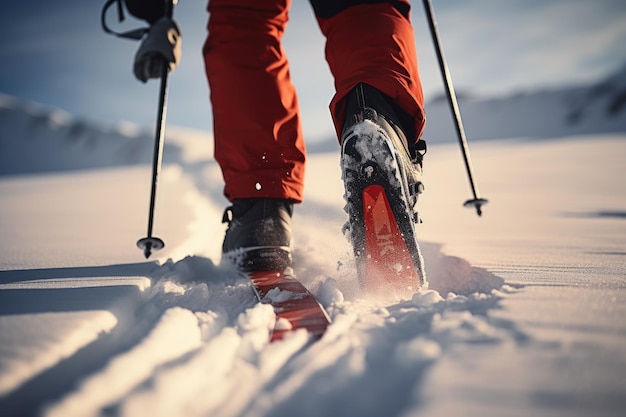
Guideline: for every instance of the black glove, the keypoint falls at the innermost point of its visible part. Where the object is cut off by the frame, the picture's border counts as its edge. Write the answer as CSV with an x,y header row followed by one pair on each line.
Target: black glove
x,y
164,41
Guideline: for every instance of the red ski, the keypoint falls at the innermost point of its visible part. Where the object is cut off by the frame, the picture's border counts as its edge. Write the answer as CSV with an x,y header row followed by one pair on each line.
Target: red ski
x,y
295,307
388,264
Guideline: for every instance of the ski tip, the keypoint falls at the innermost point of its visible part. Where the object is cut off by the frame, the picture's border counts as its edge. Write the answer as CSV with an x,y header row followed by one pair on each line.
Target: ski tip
x,y
148,244
478,203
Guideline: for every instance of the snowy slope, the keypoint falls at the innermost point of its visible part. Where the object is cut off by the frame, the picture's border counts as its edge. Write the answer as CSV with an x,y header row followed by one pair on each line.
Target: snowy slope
x,y
43,138
36,138
559,112
524,315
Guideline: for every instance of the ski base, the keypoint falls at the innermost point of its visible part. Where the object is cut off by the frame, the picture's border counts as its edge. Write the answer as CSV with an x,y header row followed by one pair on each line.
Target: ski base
x,y
295,307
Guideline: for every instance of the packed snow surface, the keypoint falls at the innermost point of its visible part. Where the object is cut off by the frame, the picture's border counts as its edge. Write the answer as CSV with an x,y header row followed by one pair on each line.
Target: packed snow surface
x,y
525,313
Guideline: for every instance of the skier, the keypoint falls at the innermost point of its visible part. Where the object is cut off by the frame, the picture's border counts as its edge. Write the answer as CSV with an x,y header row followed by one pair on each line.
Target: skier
x,y
377,113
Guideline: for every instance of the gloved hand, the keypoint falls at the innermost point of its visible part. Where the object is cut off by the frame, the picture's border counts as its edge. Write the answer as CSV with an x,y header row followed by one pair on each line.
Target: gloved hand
x,y
164,41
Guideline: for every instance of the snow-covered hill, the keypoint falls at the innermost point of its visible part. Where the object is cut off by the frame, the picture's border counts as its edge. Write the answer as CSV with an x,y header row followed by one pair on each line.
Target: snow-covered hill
x,y
36,138
56,141
567,111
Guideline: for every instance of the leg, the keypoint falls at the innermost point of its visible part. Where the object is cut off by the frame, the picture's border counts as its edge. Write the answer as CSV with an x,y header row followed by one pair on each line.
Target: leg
x,y
378,115
372,42
258,136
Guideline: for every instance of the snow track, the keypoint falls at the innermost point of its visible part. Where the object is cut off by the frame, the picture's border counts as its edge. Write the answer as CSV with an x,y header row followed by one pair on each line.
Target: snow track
x,y
208,352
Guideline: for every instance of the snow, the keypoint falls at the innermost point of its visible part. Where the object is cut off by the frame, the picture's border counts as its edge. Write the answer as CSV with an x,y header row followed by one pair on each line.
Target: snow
x,y
524,313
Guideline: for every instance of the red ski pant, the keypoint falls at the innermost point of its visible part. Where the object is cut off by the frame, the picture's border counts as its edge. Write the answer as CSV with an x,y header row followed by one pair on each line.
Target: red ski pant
x,y
258,135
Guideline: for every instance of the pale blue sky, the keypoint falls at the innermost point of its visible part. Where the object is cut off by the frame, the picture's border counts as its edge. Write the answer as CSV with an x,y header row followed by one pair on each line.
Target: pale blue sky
x,y
54,52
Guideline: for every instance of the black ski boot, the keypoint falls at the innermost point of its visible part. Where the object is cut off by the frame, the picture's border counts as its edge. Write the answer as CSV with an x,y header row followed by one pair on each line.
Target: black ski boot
x,y
382,175
258,237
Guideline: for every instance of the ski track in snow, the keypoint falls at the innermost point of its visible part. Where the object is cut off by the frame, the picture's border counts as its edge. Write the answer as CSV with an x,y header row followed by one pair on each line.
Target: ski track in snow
x,y
211,337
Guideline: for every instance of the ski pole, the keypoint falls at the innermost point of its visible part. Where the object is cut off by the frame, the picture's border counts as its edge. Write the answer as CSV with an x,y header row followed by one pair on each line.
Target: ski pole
x,y
150,243
445,73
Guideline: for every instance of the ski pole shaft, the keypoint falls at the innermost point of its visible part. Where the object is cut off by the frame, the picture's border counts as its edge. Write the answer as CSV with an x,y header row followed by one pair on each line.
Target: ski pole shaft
x,y
454,107
158,144
149,243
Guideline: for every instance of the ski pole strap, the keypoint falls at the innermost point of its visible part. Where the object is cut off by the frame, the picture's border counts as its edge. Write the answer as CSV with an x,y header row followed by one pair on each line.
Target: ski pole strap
x,y
135,34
